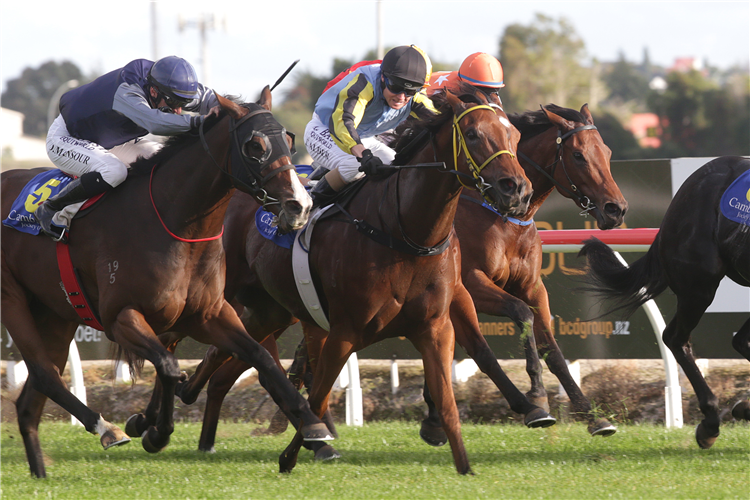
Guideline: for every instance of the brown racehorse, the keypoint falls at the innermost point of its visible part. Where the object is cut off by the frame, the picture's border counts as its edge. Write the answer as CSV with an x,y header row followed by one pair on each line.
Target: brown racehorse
x,y
696,247
371,292
501,263
144,272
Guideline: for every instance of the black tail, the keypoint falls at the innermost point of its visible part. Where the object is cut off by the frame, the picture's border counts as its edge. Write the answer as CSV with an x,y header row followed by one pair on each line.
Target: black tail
x,y
628,287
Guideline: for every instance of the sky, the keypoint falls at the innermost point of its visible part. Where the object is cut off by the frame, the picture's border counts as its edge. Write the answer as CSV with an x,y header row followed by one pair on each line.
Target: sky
x,y
251,43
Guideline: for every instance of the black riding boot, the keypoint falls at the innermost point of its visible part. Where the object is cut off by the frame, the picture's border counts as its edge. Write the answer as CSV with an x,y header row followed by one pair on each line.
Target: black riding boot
x,y
322,194
81,189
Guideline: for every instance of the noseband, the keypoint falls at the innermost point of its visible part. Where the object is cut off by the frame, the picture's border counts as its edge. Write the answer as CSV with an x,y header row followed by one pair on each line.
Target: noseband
x,y
255,188
583,201
459,144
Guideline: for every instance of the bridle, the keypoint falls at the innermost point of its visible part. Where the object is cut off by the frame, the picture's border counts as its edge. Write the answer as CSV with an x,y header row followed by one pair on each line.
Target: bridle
x,y
583,201
256,187
459,144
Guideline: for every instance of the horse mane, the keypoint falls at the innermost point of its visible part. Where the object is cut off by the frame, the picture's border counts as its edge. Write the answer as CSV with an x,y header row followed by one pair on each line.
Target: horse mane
x,y
533,123
177,143
413,133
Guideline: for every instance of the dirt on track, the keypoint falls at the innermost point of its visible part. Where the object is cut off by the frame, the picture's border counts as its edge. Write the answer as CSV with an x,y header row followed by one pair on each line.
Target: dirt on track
x,y
623,391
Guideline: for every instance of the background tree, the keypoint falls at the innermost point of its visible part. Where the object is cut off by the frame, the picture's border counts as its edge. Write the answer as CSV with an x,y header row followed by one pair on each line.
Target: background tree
x,y
543,63
626,82
30,93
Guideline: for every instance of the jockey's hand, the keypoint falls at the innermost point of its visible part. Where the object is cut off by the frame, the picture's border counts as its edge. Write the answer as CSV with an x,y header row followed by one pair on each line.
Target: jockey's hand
x,y
371,164
214,111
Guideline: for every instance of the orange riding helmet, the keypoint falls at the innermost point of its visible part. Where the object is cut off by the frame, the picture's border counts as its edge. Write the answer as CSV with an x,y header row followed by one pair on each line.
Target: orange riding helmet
x,y
482,70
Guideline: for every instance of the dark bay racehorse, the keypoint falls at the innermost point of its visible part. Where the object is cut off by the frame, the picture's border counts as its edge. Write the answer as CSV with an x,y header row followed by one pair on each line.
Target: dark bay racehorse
x,y
371,292
501,261
696,247
149,266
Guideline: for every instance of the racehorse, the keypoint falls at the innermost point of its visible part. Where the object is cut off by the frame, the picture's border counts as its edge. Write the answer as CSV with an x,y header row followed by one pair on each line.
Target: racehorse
x,y
501,259
370,291
700,241
149,261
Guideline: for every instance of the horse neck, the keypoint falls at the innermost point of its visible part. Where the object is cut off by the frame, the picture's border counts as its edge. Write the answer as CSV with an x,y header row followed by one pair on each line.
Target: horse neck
x,y
542,150
191,193
427,199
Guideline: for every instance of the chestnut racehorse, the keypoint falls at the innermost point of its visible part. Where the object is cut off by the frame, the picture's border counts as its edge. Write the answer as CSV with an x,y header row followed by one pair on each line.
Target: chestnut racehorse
x,y
370,291
149,261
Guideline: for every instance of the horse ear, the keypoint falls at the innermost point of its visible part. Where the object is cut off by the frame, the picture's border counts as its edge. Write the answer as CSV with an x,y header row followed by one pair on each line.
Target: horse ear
x,y
453,100
558,120
586,113
265,98
229,106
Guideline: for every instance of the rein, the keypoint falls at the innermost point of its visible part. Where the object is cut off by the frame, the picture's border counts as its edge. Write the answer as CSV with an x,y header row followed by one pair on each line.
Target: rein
x,y
185,240
582,200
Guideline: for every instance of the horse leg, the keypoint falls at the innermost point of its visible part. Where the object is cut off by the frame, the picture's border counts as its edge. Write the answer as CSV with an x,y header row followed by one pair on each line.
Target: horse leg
x,y
436,347
37,343
327,359
138,423
218,387
226,332
469,336
741,343
676,336
189,390
536,297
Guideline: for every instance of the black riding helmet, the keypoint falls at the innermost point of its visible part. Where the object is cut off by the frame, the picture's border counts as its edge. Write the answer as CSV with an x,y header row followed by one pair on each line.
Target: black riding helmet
x,y
407,66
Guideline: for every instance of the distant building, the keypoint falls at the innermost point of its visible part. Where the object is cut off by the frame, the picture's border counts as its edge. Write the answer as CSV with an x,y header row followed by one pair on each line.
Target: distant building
x,y
646,129
17,147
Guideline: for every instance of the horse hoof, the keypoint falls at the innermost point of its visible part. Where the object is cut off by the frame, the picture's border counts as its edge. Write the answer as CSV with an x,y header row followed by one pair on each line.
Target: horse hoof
x,y
704,439
741,410
210,450
602,427
326,452
316,432
114,437
434,436
539,418
150,440
136,425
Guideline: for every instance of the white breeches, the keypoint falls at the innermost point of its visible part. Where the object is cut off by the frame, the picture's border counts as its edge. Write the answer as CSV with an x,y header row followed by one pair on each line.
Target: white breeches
x,y
326,153
77,156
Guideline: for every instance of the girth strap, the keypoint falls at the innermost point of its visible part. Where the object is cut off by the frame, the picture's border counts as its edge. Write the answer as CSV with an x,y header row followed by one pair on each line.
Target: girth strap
x,y
76,295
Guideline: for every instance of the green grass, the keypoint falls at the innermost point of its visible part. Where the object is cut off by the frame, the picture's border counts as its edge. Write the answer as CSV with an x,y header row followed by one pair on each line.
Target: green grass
x,y
388,460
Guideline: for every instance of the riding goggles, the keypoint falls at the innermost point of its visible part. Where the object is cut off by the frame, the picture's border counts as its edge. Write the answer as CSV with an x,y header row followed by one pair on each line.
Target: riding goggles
x,y
407,88
175,102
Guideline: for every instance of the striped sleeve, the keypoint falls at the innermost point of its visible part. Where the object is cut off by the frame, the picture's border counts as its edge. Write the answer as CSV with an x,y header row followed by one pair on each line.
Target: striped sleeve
x,y
422,106
348,112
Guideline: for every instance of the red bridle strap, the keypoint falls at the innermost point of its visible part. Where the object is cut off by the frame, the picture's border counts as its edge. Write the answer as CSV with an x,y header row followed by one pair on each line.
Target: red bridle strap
x,y
185,240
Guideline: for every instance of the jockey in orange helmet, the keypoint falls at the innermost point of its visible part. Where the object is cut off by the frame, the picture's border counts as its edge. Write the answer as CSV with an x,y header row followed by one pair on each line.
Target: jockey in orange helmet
x,y
480,69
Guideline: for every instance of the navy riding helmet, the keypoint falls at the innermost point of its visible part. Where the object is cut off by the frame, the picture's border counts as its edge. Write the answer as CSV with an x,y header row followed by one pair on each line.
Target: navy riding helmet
x,y
175,78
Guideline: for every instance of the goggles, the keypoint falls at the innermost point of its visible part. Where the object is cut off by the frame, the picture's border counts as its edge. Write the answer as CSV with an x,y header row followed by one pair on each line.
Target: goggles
x,y
399,88
175,102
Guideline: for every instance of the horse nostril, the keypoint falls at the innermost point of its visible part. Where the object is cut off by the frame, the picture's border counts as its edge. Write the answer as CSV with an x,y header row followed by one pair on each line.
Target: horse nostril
x,y
508,186
613,210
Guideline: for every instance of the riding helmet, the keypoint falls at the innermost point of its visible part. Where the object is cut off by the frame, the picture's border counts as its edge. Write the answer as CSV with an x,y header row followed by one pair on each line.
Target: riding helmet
x,y
482,70
175,77
407,65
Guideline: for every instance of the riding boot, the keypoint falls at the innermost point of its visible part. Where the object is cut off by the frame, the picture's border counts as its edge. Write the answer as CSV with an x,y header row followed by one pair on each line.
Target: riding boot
x,y
78,190
322,194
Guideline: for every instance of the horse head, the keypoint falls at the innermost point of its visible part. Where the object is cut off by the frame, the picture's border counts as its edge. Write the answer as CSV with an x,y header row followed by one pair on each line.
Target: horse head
x,y
585,174
261,161
484,145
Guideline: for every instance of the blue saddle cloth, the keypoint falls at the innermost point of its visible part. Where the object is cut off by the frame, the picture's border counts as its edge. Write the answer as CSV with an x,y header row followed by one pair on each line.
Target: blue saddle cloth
x,y
263,218
735,203
41,187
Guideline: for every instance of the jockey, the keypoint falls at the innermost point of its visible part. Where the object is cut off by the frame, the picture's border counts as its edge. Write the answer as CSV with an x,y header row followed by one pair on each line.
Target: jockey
x,y
101,125
368,100
480,69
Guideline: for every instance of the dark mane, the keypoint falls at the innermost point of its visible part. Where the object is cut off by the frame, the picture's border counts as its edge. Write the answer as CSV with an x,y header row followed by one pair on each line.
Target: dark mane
x,y
177,143
532,123
414,133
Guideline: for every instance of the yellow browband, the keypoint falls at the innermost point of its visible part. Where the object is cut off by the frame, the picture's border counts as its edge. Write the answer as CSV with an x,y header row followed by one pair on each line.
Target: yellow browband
x,y
460,138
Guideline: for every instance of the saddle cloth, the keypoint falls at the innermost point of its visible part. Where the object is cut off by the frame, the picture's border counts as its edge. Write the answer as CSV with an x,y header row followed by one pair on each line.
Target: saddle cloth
x,y
39,189
735,202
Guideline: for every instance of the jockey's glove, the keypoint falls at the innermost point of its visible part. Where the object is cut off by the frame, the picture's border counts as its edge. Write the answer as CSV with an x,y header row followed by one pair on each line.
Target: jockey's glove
x,y
371,164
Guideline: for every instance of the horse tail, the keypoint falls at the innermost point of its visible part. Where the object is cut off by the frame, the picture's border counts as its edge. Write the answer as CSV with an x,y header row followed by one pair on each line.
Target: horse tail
x,y
135,363
628,287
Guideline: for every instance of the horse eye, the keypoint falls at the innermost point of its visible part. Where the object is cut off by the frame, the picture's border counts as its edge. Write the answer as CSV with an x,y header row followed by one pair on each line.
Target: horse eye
x,y
471,135
253,149
578,156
